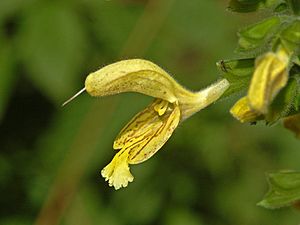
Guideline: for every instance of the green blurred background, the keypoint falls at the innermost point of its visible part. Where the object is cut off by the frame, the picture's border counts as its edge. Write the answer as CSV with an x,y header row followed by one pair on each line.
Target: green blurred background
x,y
211,171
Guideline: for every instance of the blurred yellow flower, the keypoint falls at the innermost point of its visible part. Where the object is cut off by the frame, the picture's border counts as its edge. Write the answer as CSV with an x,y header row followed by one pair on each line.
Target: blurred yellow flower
x,y
149,130
269,77
242,112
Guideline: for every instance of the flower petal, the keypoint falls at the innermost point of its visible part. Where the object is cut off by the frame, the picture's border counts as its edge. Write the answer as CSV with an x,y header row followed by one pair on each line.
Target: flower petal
x,y
117,171
148,131
242,112
269,77
134,75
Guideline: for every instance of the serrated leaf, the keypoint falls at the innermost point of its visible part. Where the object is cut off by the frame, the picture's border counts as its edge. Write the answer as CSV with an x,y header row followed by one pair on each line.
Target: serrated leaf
x,y
244,6
285,102
290,37
52,45
238,72
281,8
284,189
295,74
258,34
296,60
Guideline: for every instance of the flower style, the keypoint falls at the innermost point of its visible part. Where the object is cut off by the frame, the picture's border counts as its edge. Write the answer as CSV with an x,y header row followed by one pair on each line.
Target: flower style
x,y
149,130
269,77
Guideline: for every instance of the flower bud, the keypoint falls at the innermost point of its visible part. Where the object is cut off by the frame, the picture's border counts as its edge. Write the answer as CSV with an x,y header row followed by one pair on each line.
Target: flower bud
x,y
242,112
270,76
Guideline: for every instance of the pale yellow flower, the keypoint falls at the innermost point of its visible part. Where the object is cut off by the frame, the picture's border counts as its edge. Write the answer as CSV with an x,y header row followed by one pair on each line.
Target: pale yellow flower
x,y
269,77
142,137
242,111
149,130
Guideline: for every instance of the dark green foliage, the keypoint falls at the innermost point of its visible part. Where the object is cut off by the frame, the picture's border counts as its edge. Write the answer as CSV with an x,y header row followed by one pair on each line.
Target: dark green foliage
x,y
290,36
238,72
286,102
258,35
295,5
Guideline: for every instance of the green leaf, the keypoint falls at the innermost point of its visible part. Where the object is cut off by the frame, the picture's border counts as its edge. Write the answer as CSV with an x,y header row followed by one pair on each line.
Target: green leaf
x,y
295,73
284,190
52,45
290,36
238,72
285,103
296,60
244,6
258,34
281,8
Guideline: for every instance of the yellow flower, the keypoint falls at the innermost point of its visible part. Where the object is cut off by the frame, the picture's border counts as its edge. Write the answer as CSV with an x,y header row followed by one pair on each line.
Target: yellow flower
x,y
142,137
242,112
149,130
269,77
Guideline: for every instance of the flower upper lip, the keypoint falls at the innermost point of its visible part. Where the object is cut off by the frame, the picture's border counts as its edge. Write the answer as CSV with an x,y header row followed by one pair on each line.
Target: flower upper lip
x,y
138,75
135,75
